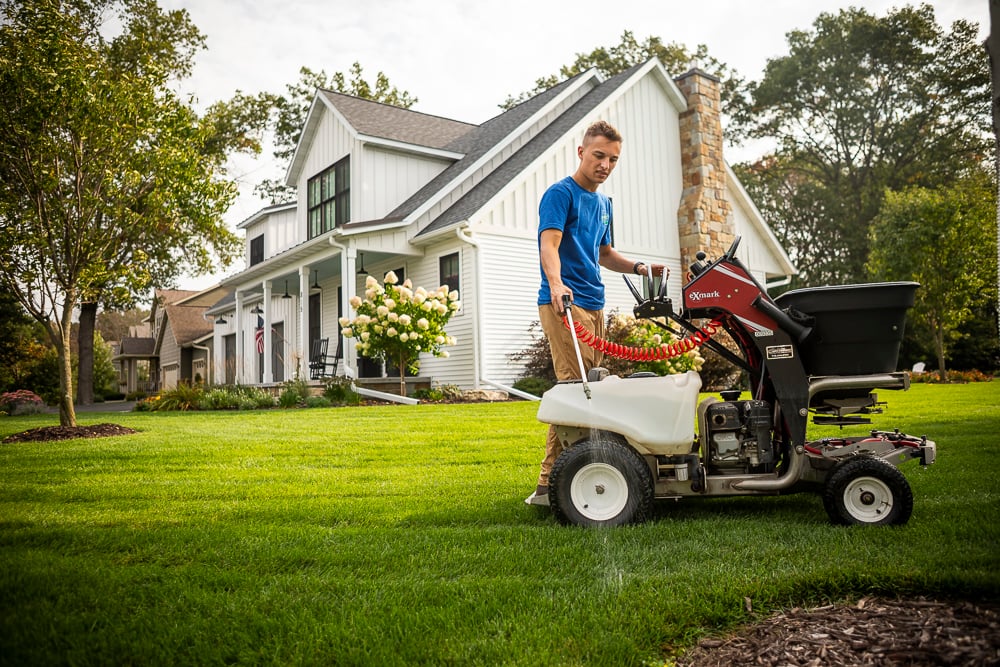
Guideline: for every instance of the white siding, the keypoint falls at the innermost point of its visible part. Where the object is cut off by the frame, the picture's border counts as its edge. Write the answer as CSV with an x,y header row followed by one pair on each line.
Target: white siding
x,y
381,180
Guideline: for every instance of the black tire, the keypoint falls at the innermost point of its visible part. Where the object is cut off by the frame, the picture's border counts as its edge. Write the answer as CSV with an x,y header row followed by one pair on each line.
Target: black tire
x,y
600,483
867,491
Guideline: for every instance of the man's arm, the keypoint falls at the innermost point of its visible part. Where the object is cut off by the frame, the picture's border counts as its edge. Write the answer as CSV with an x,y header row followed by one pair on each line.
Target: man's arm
x,y
614,260
548,252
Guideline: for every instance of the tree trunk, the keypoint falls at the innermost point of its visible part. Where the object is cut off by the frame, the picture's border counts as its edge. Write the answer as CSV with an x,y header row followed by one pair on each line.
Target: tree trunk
x,y
939,350
85,354
67,413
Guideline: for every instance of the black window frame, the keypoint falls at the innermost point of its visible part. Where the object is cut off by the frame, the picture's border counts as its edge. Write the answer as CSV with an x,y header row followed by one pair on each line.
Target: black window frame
x,y
256,250
457,274
328,198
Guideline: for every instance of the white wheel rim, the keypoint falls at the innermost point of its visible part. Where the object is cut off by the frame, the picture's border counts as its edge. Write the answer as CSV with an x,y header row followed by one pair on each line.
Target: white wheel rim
x,y
599,491
868,499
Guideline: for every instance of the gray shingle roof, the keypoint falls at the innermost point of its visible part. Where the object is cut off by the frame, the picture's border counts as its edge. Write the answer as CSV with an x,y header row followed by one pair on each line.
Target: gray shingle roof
x,y
375,119
481,141
502,175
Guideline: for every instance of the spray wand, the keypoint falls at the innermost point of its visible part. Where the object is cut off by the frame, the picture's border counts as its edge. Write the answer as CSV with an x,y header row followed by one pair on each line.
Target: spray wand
x,y
567,303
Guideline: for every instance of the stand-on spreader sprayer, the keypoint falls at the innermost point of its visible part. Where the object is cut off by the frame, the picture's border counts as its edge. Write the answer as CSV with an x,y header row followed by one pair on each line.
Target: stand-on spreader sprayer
x,y
818,352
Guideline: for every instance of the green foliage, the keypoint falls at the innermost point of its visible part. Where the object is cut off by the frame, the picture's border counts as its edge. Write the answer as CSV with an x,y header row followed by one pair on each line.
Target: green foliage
x,y
294,393
318,402
236,397
945,240
621,329
358,537
338,390
109,182
182,397
289,113
533,385
396,323
609,61
860,105
952,377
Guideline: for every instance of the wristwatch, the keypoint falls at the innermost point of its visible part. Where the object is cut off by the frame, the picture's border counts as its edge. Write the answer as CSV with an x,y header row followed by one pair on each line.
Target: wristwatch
x,y
635,267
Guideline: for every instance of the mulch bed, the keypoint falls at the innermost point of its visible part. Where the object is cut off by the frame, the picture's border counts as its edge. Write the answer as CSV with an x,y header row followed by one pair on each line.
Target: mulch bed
x,y
873,631
47,433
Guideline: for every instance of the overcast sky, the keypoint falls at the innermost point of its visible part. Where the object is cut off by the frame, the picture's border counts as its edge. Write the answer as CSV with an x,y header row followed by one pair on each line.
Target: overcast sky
x,y
462,58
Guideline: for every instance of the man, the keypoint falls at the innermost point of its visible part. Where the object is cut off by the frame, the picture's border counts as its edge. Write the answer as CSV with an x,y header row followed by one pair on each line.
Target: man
x,y
574,241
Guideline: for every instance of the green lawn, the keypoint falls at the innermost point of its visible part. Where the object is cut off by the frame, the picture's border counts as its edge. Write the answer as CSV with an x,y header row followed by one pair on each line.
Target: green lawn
x,y
398,535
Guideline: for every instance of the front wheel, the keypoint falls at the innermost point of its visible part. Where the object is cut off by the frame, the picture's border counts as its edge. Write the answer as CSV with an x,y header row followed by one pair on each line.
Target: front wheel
x,y
867,491
600,483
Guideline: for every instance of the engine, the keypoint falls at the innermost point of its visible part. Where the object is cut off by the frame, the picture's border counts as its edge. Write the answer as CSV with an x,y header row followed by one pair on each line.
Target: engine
x,y
737,434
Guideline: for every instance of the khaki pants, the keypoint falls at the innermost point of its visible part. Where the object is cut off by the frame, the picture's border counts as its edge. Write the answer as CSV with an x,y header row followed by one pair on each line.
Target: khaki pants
x,y
565,363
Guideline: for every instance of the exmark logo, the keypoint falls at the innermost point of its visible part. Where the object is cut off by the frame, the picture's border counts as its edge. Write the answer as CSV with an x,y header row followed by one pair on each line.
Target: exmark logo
x,y
698,296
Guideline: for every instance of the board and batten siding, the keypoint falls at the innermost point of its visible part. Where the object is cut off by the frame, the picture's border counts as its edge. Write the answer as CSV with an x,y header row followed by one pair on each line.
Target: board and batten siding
x,y
458,368
381,179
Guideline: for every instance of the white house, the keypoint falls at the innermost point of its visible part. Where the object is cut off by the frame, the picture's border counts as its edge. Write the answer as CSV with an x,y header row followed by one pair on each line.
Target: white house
x,y
444,202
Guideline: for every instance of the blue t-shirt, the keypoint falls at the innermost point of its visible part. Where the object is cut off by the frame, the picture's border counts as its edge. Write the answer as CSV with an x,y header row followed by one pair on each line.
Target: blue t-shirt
x,y
584,218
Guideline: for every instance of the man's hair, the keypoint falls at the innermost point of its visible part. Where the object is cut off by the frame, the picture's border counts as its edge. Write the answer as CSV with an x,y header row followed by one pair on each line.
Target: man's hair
x,y
602,128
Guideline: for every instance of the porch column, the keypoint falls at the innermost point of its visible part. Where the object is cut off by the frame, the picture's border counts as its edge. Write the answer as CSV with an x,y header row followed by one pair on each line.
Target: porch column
x,y
301,355
348,279
240,346
268,371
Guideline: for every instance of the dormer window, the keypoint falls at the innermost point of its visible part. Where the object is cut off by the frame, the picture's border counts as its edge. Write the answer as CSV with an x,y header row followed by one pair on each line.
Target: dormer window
x,y
329,203
257,250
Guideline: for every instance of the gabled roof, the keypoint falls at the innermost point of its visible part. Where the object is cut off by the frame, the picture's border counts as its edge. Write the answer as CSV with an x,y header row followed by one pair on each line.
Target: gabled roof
x,y
188,323
377,122
483,191
136,347
484,139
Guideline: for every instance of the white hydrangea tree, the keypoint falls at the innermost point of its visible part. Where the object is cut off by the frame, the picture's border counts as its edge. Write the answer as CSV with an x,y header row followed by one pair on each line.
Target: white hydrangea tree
x,y
396,323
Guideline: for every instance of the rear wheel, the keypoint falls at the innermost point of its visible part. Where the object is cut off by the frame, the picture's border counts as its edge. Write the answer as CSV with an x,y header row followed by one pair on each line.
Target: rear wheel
x,y
867,490
600,483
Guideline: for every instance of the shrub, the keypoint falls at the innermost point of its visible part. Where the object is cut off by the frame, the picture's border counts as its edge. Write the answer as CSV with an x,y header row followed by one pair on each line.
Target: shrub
x,y
621,329
183,397
533,385
318,402
956,377
338,391
294,393
135,396
21,402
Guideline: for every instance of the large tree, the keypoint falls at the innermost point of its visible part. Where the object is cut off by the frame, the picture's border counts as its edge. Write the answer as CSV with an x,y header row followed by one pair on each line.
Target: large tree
x,y
610,60
861,105
943,239
109,183
290,110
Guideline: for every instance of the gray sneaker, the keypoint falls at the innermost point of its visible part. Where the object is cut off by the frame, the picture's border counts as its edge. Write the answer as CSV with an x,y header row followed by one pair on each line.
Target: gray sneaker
x,y
539,497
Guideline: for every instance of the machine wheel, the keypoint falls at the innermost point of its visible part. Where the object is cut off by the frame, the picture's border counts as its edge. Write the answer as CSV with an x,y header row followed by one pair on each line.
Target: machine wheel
x,y
600,483
867,491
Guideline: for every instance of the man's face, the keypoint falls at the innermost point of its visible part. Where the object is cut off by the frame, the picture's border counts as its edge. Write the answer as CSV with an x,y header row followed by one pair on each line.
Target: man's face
x,y
598,157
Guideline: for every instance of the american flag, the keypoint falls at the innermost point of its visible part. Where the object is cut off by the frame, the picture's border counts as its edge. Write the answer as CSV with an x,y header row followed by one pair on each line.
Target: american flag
x,y
258,335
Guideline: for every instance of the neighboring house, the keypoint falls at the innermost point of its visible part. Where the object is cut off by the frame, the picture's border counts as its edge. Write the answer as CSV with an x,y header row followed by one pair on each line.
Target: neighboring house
x,y
173,345
444,202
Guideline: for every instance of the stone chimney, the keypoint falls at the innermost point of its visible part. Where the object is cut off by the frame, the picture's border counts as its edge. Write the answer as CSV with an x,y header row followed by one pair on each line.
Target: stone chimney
x,y
704,218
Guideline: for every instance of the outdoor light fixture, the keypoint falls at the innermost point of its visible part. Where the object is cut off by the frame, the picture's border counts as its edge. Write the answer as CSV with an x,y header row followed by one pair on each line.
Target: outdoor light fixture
x,y
221,320
286,294
257,310
315,284
361,271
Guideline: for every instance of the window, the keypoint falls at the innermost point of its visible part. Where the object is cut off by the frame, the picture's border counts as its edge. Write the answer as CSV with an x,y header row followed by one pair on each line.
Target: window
x,y
257,250
450,272
329,198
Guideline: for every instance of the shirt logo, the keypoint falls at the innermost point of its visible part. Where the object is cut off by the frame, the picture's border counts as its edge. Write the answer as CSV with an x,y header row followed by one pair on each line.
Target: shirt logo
x,y
605,219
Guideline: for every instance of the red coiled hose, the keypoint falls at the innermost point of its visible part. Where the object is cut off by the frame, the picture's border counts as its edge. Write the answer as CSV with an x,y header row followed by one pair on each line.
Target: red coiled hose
x,y
629,353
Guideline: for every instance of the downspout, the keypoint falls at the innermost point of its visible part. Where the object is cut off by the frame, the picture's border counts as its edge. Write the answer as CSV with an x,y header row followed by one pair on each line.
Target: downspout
x,y
780,282
479,373
209,361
